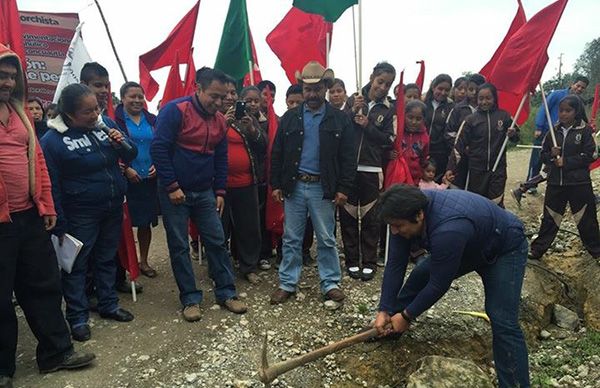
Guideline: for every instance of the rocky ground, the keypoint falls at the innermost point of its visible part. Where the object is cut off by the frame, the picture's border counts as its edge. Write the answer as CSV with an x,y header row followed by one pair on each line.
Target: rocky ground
x,y
160,349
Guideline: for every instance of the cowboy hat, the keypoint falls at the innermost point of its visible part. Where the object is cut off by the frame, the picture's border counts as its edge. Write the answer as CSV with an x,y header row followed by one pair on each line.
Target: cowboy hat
x,y
313,72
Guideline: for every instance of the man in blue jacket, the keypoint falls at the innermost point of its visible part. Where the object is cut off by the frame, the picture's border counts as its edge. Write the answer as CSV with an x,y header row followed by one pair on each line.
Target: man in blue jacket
x,y
541,121
464,232
189,151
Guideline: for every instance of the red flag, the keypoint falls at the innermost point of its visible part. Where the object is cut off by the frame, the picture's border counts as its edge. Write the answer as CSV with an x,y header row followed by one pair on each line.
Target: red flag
x,y
595,106
127,252
174,86
110,107
257,76
180,39
397,170
299,38
518,21
11,34
190,77
421,77
274,210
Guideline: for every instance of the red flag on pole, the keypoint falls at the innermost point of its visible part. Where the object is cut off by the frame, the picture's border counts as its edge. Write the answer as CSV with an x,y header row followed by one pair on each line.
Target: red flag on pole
x,y
518,21
299,38
180,39
595,106
274,210
11,34
110,106
174,85
256,75
421,77
397,170
190,77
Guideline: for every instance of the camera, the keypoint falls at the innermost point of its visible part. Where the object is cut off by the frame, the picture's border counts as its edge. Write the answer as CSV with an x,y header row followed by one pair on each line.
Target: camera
x,y
240,109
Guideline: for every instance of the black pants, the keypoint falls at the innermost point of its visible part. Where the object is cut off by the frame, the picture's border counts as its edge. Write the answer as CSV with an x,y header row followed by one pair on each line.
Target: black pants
x,y
266,247
241,221
365,195
489,184
583,206
28,267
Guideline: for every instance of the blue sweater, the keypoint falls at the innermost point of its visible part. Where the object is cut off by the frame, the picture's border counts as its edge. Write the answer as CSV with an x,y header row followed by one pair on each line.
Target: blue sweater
x,y
553,99
463,232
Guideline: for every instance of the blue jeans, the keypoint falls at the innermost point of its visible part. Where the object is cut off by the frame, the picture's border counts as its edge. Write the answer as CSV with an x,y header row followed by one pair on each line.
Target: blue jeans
x,y
502,282
535,161
200,207
307,199
100,232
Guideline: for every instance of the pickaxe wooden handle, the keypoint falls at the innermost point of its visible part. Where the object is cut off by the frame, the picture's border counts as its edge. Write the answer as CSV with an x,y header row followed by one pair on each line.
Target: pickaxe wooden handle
x,y
269,373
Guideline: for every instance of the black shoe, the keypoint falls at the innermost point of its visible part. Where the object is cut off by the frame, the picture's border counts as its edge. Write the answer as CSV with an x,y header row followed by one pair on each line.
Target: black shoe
x,y
354,272
81,333
367,274
517,195
125,288
119,315
6,382
73,361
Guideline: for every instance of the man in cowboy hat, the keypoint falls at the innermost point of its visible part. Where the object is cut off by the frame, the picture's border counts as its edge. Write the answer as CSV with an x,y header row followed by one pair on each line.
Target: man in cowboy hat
x,y
313,164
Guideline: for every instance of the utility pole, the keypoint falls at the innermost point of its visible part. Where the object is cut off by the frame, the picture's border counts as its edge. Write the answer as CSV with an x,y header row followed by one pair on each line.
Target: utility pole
x,y
560,65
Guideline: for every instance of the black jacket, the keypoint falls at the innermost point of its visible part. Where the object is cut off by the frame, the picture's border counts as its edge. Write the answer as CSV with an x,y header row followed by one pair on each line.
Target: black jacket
x,y
481,140
379,134
455,119
435,121
336,148
578,150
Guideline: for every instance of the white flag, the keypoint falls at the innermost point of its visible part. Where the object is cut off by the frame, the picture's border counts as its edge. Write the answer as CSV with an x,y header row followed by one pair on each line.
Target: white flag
x,y
77,56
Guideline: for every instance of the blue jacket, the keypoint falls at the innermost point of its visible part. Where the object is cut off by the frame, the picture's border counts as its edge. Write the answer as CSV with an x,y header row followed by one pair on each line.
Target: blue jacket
x,y
84,169
189,149
553,99
463,232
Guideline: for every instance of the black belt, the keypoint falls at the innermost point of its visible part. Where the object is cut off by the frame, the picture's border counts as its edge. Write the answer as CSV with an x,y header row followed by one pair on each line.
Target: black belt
x,y
302,177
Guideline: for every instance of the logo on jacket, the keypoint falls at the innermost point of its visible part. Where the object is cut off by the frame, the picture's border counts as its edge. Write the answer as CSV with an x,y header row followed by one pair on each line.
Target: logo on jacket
x,y
578,139
500,125
379,119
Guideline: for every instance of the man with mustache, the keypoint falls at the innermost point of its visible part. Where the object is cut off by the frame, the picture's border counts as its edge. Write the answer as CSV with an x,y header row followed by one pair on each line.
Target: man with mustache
x,y
313,164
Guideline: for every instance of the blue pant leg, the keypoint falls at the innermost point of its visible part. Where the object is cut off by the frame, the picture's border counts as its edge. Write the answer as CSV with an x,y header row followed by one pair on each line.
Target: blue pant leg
x,y
103,263
295,212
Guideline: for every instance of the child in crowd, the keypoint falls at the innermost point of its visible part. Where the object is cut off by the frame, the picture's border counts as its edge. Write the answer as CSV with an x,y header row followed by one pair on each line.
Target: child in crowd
x,y
293,96
412,92
427,182
337,94
483,135
459,91
569,179
438,108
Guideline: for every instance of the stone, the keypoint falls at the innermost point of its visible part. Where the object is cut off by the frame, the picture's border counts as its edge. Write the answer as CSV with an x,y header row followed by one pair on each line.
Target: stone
x,y
545,334
565,318
332,305
143,358
445,372
583,371
191,377
567,380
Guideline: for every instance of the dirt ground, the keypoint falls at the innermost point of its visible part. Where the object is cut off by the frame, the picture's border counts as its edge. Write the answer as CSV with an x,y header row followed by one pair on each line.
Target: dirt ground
x,y
160,349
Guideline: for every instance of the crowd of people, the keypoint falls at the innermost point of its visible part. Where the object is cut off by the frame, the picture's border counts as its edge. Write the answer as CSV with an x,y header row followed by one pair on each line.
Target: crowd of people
x,y
201,163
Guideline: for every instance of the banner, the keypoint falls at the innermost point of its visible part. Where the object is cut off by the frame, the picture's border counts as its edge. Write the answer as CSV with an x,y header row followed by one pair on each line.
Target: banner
x,y
46,37
76,57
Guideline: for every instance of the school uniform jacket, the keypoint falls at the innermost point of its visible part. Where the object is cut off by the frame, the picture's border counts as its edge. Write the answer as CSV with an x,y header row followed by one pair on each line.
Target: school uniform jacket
x,y
435,121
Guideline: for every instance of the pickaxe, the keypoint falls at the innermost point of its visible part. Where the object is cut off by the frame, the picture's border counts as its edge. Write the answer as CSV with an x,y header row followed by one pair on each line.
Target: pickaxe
x,y
269,373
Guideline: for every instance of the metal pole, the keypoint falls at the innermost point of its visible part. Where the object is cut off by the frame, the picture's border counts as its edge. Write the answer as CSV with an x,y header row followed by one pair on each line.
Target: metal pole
x,y
358,86
328,44
251,67
513,125
548,118
111,40
360,44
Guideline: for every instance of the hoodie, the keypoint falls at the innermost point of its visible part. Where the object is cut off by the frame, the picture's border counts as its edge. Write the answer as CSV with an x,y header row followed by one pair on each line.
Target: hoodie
x,y
39,181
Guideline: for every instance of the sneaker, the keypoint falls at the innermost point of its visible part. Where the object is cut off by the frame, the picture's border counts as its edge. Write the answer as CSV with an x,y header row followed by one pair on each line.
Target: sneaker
x,y
194,252
264,264
336,295
532,191
280,296
517,194
367,274
6,382
354,272
191,313
381,260
235,306
253,278
74,360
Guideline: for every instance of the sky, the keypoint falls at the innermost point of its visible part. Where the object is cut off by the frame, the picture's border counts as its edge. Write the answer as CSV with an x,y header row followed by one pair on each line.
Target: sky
x,y
452,36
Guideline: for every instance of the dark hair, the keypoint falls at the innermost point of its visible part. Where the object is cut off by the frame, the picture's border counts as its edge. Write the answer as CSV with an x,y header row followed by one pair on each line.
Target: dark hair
x,y
52,106
40,103
460,80
383,67
583,79
70,98
128,85
262,85
576,103
492,89
477,79
430,162
412,86
229,80
91,70
415,104
249,89
294,89
338,81
401,202
205,76
441,78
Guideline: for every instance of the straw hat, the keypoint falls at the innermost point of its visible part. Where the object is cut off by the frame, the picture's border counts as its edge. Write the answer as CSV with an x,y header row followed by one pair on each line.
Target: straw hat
x,y
314,73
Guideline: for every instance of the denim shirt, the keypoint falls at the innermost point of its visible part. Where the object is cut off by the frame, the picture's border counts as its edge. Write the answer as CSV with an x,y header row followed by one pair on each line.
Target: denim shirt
x,y
141,134
309,160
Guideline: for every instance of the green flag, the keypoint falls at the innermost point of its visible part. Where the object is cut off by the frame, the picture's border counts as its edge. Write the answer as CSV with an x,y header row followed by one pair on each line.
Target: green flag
x,y
235,51
331,10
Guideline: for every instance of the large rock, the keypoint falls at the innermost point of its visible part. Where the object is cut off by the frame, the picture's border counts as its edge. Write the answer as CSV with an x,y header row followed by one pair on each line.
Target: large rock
x,y
565,318
444,372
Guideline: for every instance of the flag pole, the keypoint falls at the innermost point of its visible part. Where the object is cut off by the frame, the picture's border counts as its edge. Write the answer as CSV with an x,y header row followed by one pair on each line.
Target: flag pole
x,y
548,118
133,292
360,44
328,44
251,68
355,49
111,40
512,126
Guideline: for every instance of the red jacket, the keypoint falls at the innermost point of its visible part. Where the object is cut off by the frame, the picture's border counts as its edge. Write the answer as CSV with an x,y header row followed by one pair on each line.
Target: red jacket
x,y
39,182
415,146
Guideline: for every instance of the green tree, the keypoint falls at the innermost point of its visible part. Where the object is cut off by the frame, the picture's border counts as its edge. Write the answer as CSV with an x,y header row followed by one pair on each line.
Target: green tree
x,y
588,64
